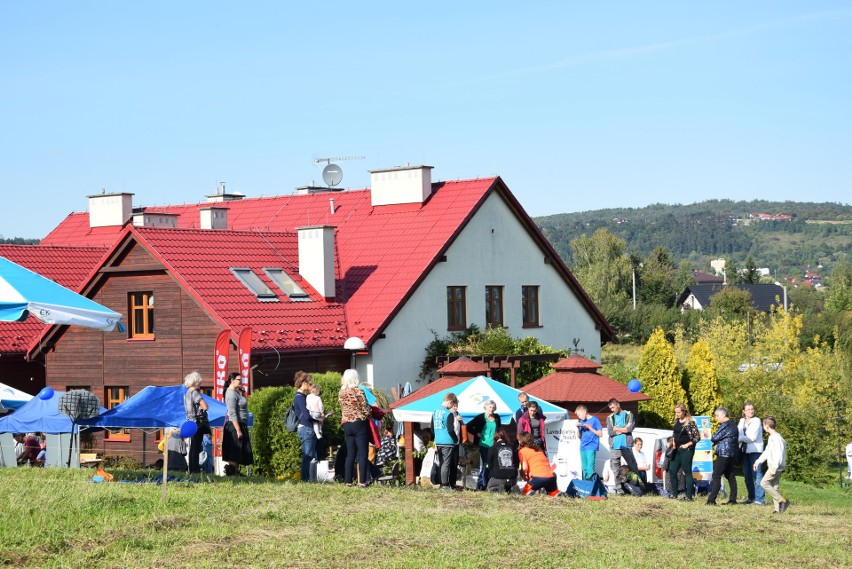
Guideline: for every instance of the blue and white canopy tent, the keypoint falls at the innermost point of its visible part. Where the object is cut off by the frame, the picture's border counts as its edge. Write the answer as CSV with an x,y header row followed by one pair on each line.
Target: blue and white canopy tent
x,y
472,394
23,292
11,398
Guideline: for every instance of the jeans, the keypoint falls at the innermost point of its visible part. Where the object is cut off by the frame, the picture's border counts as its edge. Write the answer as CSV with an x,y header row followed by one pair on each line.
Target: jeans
x,y
537,483
587,458
357,435
447,455
482,481
615,457
724,466
682,459
309,453
752,478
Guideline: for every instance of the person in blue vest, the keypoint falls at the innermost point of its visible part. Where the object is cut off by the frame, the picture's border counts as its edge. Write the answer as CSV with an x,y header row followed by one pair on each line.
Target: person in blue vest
x,y
620,425
446,438
590,430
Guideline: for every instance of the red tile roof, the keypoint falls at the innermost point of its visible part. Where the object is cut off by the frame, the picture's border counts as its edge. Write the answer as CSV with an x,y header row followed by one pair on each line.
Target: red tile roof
x,y
575,362
464,366
68,266
438,385
580,387
383,253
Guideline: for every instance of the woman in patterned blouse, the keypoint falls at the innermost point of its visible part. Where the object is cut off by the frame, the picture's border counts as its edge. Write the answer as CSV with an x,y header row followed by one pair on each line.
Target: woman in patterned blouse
x,y
355,416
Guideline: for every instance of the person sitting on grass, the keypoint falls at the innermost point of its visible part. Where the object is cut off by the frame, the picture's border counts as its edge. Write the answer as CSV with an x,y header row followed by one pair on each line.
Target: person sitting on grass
x,y
629,482
775,457
535,468
502,464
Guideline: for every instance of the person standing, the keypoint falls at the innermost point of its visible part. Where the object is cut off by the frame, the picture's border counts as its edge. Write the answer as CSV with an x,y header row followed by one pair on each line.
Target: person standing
x,y
751,445
532,422
686,436
725,441
483,427
775,457
305,430
446,438
524,400
194,407
590,430
355,414
236,445
620,425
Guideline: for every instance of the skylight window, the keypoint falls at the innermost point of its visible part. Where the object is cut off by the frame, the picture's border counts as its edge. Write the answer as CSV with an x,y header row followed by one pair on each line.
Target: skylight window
x,y
257,287
286,283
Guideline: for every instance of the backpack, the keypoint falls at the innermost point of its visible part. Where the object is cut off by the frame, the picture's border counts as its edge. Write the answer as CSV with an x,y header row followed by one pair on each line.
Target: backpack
x,y
291,420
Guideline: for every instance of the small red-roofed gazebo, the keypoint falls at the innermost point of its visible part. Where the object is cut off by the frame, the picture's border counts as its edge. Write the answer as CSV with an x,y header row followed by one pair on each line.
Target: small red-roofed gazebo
x,y
575,380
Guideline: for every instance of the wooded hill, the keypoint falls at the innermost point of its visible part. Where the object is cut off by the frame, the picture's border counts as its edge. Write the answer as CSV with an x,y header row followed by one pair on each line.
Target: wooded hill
x,y
815,234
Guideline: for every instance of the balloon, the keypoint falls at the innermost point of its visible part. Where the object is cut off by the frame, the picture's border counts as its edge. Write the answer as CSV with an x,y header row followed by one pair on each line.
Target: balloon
x,y
634,385
46,393
188,429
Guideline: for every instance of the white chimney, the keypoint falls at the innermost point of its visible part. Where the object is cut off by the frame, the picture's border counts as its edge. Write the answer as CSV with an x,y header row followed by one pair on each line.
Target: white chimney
x,y
213,217
106,210
154,219
408,184
316,258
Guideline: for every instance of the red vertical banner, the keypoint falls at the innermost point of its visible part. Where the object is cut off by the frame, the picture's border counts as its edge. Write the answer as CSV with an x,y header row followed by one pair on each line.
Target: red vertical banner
x,y
220,363
221,351
244,351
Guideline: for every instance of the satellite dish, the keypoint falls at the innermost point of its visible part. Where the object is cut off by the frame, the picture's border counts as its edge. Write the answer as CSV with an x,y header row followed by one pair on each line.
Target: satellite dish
x,y
332,175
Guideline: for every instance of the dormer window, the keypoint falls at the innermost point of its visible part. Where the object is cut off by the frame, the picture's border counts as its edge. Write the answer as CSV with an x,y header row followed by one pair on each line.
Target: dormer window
x,y
286,283
256,286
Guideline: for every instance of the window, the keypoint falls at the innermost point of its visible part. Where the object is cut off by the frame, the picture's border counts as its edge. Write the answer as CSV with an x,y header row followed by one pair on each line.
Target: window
x,y
456,308
252,282
115,396
287,285
529,298
141,315
494,306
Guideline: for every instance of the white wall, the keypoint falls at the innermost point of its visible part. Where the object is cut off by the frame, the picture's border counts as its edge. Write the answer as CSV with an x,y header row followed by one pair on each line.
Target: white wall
x,y
494,249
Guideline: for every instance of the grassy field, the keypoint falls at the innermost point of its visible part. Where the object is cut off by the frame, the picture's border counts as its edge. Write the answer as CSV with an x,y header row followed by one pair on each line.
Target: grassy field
x,y
55,518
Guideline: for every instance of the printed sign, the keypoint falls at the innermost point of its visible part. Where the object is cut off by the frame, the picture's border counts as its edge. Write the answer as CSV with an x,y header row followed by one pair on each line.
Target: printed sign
x,y
563,451
702,461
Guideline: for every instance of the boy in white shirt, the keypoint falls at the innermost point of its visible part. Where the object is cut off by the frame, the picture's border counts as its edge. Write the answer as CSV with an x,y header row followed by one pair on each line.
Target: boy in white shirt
x,y
775,457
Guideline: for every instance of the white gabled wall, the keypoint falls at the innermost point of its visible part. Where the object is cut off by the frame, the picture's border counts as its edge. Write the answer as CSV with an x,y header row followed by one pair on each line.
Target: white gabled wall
x,y
494,249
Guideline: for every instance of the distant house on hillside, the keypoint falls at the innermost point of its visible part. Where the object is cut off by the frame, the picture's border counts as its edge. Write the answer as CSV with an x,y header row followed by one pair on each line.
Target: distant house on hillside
x,y
700,277
769,216
763,296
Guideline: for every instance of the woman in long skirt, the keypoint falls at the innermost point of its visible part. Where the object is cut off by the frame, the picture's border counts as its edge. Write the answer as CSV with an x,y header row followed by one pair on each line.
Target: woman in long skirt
x,y
236,445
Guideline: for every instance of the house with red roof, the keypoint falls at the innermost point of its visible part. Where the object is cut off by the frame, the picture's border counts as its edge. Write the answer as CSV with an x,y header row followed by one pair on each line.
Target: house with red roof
x,y
306,271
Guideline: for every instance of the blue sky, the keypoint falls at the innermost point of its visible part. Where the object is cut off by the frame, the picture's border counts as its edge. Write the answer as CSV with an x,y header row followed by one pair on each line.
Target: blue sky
x,y
578,105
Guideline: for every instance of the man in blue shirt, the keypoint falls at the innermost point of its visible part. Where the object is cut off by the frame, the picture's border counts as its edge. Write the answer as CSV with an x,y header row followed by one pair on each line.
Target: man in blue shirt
x,y
590,430
619,425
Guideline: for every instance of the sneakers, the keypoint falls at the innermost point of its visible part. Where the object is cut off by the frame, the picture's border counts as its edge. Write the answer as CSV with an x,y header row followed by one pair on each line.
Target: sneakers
x,y
756,504
782,507
685,499
446,488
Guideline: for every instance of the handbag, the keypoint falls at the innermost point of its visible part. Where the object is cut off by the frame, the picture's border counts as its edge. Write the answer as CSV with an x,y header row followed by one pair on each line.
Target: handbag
x,y
203,422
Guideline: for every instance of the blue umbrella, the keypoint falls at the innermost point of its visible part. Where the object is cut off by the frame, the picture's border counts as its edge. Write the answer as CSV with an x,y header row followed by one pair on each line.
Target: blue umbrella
x,y
23,292
11,398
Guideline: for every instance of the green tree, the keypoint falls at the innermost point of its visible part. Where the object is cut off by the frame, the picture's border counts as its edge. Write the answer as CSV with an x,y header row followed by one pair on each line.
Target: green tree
x,y
656,278
731,303
749,274
840,287
602,266
701,380
661,381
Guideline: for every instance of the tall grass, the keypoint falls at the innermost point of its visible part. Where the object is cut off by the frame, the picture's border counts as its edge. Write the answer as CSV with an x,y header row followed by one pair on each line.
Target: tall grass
x,y
56,518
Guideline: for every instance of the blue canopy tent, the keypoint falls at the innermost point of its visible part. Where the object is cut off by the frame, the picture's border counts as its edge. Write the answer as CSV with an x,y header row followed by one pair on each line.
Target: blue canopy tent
x,y
23,292
472,394
156,408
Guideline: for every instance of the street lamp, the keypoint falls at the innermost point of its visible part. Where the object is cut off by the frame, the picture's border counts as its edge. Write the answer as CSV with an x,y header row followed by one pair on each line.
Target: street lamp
x,y
354,345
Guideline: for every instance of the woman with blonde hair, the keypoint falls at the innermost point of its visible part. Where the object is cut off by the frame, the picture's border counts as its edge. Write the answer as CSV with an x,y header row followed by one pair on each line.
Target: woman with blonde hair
x,y
686,436
483,427
355,416
196,410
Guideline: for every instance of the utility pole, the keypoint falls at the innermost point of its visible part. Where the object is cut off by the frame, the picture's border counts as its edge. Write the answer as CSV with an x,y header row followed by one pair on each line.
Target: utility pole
x,y
838,408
